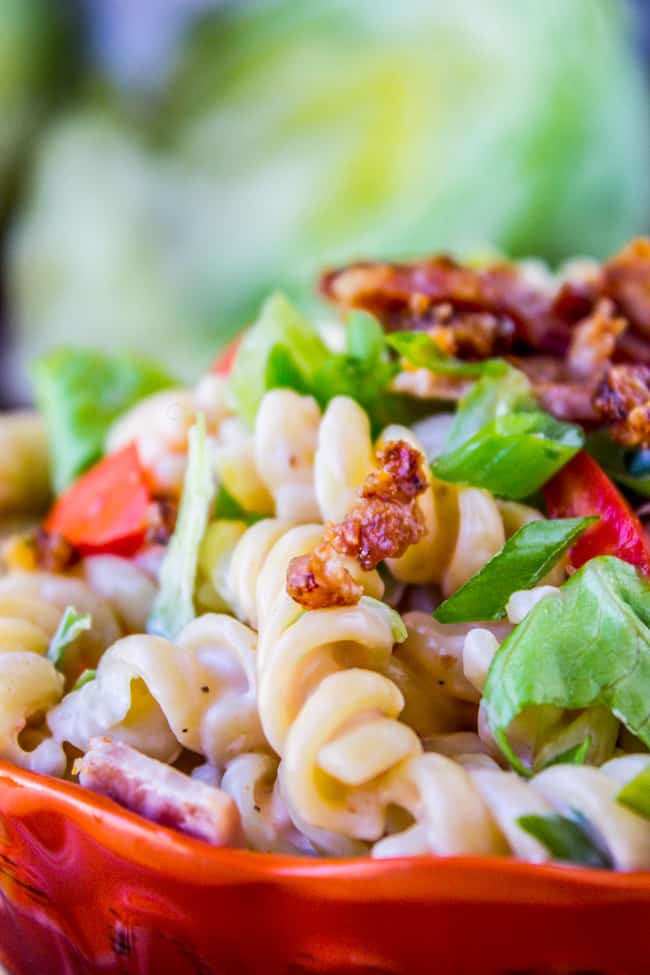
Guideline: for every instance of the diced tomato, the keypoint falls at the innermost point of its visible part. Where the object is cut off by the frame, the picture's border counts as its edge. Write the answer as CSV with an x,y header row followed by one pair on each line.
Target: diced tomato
x,y
222,366
106,510
582,488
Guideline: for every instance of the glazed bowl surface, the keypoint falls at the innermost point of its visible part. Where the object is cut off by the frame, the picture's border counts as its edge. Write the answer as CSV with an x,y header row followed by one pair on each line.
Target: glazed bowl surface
x,y
90,889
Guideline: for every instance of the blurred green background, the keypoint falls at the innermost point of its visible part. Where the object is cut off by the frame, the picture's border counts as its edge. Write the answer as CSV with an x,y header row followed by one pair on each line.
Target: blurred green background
x,y
165,163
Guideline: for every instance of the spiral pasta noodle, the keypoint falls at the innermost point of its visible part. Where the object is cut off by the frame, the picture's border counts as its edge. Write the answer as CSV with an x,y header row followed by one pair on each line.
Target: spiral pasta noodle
x,y
196,693
471,806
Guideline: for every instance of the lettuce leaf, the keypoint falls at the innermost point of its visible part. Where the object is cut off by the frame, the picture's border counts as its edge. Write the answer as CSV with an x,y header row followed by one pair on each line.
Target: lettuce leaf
x,y
513,455
420,350
71,625
80,392
569,839
525,559
173,607
501,390
589,645
280,325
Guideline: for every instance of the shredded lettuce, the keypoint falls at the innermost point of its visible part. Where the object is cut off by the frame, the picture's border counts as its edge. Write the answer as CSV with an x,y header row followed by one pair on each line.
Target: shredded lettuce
x,y
525,559
501,390
173,607
71,625
80,392
589,645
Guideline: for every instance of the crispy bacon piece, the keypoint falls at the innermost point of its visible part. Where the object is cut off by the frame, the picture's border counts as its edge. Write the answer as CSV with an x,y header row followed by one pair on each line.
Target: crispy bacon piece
x,y
512,312
593,340
382,524
626,280
160,793
622,399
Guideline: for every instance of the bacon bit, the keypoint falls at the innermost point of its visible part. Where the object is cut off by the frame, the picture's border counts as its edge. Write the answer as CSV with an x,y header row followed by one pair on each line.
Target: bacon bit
x,y
159,793
382,524
409,296
557,390
623,399
163,513
626,279
471,335
594,339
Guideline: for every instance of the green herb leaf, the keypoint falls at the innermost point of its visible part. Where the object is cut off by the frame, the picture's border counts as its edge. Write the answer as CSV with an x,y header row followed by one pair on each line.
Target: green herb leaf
x,y
589,645
502,390
85,678
513,455
568,839
71,625
572,756
636,794
629,468
173,607
303,352
420,350
525,559
364,337
80,393
282,371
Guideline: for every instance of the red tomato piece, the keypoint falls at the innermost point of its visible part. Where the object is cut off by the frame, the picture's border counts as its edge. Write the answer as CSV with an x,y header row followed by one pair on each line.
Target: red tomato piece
x,y
582,488
106,510
222,366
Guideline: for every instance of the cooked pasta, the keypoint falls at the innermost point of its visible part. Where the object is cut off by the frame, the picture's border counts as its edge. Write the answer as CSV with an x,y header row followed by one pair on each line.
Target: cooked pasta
x,y
373,600
471,806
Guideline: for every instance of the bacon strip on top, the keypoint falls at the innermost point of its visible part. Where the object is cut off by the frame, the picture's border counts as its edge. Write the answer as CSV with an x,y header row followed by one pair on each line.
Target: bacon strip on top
x,y
160,793
382,524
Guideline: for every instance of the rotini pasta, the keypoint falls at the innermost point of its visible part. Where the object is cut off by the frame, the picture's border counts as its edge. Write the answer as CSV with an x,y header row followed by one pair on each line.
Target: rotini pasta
x,y
270,668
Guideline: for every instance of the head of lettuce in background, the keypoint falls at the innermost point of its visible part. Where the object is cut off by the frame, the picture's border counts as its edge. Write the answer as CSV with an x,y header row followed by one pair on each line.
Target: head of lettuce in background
x,y
294,135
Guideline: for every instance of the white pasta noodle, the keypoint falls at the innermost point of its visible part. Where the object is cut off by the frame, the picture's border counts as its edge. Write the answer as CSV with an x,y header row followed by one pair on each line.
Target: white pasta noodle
x,y
31,607
160,424
159,696
286,430
469,807
344,457
38,599
126,588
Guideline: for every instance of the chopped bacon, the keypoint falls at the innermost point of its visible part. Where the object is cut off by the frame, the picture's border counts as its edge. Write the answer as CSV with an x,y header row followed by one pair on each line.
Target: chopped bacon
x,y
409,296
622,399
159,793
626,280
593,340
382,524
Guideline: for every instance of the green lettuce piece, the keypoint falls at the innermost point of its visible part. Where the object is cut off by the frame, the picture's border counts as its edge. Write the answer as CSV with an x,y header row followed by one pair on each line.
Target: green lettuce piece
x,y
364,337
512,456
85,678
589,645
569,839
420,350
281,325
572,756
502,390
631,468
173,606
71,625
525,559
636,794
80,392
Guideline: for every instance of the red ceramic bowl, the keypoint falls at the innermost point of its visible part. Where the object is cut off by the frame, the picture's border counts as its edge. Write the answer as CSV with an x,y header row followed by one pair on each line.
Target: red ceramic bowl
x,y
88,888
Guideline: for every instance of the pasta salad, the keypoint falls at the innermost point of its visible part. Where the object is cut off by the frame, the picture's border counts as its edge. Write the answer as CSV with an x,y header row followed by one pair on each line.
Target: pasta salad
x,y
378,586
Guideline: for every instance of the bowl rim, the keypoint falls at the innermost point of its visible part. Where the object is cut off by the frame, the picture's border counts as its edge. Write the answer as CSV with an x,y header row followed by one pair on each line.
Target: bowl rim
x,y
135,839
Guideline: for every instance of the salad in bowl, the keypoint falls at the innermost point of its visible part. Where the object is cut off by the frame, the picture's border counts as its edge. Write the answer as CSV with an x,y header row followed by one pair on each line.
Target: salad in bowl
x,y
373,588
